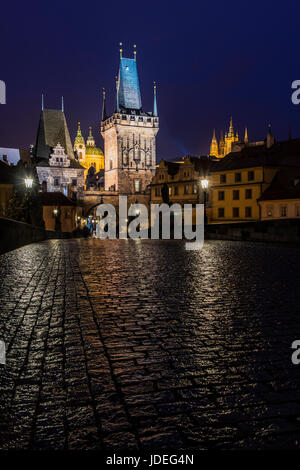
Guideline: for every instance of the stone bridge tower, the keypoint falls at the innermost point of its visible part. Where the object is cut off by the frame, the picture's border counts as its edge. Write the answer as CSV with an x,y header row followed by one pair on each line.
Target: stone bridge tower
x,y
129,135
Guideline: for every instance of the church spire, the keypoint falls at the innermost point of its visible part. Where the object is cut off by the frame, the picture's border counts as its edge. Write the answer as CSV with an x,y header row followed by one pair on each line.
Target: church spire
x,y
42,102
231,130
155,101
214,148
104,115
62,104
246,135
79,130
134,51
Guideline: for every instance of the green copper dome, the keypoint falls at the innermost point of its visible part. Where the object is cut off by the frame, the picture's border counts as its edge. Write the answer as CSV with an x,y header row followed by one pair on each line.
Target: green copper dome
x,y
93,151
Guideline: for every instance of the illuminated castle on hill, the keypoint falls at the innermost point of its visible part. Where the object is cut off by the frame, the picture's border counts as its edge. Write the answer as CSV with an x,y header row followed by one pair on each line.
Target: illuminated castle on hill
x,y
226,143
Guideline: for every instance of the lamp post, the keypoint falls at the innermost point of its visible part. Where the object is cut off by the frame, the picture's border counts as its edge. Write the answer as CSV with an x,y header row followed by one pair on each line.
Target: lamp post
x,y
28,185
204,184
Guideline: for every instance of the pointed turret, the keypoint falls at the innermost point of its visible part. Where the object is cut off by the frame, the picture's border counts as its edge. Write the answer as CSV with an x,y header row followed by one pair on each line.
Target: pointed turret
x,y
79,144
246,136
155,102
42,102
90,140
79,137
62,104
231,130
104,115
214,150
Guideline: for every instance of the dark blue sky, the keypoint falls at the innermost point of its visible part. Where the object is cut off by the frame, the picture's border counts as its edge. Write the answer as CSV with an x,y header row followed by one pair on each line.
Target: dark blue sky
x,y
210,60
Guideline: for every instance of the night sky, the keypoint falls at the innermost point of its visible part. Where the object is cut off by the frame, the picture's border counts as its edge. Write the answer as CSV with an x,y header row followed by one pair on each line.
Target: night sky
x,y
210,60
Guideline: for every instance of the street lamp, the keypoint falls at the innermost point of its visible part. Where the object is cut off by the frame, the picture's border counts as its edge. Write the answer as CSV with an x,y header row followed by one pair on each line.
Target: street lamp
x,y
28,185
204,184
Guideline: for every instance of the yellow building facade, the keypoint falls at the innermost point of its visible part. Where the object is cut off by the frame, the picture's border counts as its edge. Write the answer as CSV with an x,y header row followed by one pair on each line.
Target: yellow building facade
x,y
88,154
235,193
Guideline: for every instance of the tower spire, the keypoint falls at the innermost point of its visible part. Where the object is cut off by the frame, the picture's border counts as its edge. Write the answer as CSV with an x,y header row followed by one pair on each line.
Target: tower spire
x,y
134,51
155,101
214,148
231,131
121,49
104,115
62,104
117,95
246,135
42,102
78,130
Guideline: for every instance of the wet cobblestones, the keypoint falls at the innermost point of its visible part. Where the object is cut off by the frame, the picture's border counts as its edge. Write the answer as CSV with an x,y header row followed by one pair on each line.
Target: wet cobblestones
x,y
124,345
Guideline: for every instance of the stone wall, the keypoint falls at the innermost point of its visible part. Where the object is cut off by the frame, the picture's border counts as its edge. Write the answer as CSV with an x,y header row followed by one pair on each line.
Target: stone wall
x,y
16,234
287,231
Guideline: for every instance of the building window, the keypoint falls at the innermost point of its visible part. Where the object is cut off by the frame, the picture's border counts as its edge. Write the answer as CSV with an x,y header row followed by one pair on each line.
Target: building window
x,y
222,178
248,211
80,154
186,189
297,211
110,164
236,212
170,191
195,189
237,177
283,211
250,175
221,212
270,211
221,195
236,194
124,118
137,186
176,190
248,194
157,192
74,182
56,181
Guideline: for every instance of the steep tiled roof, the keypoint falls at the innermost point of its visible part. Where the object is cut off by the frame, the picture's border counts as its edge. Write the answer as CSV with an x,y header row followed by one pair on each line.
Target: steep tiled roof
x,y
285,185
52,129
129,94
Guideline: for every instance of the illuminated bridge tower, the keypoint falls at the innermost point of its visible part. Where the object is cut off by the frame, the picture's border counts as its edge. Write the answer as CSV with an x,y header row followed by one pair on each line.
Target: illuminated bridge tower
x,y
129,135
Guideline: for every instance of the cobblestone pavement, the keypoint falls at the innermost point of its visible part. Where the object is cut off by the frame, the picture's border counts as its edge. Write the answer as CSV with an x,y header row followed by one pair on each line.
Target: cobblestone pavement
x,y
124,345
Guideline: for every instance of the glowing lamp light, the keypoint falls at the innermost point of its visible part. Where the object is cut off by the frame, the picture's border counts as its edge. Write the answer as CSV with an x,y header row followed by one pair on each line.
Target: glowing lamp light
x,y
204,184
55,211
28,182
